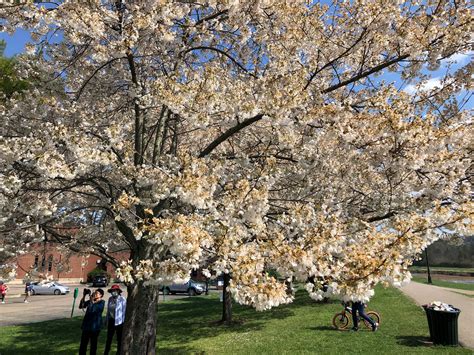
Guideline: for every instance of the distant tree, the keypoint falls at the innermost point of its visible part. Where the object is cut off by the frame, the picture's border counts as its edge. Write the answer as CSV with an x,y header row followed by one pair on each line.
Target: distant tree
x,y
10,82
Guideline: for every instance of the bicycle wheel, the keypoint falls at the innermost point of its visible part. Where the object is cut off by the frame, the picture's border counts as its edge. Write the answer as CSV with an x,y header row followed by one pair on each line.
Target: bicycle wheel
x,y
340,321
374,316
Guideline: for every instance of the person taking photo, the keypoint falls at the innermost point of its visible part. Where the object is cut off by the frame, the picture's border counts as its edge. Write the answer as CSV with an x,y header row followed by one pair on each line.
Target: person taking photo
x,y
92,322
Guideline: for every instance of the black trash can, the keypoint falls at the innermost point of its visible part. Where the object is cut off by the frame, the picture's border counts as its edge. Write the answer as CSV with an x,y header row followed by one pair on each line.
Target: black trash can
x,y
443,325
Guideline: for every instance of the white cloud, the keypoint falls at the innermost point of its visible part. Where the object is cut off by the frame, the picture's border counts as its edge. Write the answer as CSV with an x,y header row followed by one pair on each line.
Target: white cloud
x,y
459,58
425,86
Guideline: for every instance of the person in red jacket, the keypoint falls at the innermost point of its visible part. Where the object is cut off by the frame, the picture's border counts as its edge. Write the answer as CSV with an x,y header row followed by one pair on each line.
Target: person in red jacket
x,y
3,291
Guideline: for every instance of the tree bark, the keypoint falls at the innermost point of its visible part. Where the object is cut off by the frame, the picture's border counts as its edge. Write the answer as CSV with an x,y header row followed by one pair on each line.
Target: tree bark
x,y
139,332
227,301
289,287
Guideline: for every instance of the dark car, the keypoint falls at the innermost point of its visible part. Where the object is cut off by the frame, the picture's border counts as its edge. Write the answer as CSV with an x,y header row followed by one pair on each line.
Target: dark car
x,y
100,281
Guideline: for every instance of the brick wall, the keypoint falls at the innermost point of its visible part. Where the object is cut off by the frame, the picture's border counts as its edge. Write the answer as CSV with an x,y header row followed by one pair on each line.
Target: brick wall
x,y
47,259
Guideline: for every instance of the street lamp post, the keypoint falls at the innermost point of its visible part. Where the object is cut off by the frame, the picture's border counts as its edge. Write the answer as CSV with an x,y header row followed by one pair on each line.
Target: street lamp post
x,y
428,266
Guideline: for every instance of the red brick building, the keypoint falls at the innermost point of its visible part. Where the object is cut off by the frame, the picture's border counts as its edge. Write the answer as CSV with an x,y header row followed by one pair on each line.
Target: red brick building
x,y
46,259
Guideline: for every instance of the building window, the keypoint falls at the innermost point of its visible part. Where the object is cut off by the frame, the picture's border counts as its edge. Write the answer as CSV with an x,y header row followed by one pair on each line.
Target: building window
x,y
35,265
50,263
43,259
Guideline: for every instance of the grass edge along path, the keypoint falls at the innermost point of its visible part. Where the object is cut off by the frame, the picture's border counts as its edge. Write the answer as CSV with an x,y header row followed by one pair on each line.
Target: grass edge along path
x,y
461,271
443,283
188,326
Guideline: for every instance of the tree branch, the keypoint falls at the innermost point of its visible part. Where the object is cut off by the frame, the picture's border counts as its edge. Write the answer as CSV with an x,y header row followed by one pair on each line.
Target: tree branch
x,y
331,62
229,133
366,73
380,218
220,51
211,17
83,86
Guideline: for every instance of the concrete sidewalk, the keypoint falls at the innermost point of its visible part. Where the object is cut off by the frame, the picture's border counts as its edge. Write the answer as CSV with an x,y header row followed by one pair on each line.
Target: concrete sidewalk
x,y
423,294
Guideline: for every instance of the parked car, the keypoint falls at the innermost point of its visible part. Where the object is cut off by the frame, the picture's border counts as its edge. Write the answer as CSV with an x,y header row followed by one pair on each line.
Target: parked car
x,y
191,287
100,281
50,288
217,282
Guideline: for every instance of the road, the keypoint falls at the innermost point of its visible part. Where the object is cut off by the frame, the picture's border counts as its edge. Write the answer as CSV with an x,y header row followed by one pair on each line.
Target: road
x,y
44,307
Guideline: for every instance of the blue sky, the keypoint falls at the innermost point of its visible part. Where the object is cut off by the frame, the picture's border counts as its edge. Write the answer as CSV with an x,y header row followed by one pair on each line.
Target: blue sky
x,y
16,44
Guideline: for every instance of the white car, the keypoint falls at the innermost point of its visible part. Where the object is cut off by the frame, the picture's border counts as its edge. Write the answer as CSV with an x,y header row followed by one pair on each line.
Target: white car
x,y
191,287
50,288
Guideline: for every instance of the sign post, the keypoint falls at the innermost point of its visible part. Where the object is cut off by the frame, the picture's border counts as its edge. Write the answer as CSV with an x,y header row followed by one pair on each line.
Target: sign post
x,y
76,293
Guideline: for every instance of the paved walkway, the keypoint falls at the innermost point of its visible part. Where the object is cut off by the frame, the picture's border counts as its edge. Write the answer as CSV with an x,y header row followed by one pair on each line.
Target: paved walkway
x,y
423,294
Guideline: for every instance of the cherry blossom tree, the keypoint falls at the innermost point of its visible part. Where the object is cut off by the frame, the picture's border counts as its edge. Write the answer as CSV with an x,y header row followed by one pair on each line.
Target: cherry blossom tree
x,y
240,136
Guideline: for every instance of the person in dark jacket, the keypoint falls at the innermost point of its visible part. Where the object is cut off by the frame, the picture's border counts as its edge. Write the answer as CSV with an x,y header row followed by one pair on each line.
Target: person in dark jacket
x,y
28,288
92,322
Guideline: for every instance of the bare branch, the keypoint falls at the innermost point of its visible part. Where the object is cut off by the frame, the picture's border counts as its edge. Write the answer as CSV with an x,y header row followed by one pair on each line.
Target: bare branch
x,y
366,73
229,133
220,51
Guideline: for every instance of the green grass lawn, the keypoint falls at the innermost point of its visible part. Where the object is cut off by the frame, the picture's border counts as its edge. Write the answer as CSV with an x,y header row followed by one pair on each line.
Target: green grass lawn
x,y
442,268
442,283
188,326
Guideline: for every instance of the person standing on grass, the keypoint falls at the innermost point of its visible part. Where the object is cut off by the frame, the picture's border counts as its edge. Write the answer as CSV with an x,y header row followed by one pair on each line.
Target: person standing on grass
x,y
92,322
3,291
115,318
28,288
359,307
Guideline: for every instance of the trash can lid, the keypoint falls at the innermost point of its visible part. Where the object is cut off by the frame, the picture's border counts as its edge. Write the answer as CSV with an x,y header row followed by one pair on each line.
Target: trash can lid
x,y
441,307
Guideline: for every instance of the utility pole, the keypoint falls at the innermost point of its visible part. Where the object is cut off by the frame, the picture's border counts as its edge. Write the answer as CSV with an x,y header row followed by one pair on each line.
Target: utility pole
x,y
428,266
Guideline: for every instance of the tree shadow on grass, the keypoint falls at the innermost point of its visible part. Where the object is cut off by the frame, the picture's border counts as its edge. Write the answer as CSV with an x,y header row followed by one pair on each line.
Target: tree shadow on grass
x,y
61,336
324,328
179,350
414,341
180,322
189,319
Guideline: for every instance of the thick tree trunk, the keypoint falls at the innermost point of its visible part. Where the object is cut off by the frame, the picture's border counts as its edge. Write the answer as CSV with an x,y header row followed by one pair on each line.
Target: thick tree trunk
x,y
289,287
227,301
139,333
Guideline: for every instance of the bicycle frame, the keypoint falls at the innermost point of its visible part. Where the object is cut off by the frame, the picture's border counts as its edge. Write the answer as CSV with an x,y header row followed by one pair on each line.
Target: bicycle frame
x,y
348,309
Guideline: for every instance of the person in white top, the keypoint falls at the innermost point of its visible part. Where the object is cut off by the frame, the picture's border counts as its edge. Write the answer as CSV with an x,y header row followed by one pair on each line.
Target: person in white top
x,y
115,318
